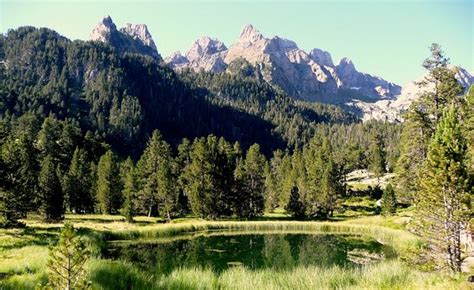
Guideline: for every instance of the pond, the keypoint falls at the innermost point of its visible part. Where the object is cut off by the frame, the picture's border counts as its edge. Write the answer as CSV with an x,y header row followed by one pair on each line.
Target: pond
x,y
219,251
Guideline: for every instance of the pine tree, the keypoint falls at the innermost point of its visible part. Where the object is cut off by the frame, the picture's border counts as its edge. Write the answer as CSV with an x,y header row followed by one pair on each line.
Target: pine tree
x,y
324,182
66,261
198,180
52,197
209,177
182,160
295,206
440,87
377,161
48,137
166,191
251,183
108,188
18,179
157,192
441,214
77,184
469,124
271,193
389,200
129,193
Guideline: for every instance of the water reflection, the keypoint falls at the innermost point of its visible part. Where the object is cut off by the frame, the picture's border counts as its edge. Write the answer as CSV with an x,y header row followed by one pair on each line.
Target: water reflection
x,y
254,251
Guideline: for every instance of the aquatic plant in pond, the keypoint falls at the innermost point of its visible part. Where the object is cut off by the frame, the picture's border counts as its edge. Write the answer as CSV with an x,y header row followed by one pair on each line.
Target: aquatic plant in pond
x,y
252,251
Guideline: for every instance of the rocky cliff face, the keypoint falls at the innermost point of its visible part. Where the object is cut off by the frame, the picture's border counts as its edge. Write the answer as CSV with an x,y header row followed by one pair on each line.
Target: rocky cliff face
x,y
206,53
392,110
310,76
133,38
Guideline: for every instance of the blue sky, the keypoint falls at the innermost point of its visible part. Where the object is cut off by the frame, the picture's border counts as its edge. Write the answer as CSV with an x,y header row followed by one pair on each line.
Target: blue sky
x,y
388,38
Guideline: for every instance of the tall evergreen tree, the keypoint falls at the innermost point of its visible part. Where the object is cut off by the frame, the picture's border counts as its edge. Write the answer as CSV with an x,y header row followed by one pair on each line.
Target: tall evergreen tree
x,y
182,160
389,200
209,178
325,182
108,186
469,124
251,183
77,184
271,191
129,192
199,181
440,87
166,191
295,206
377,163
18,179
441,213
48,137
157,193
52,197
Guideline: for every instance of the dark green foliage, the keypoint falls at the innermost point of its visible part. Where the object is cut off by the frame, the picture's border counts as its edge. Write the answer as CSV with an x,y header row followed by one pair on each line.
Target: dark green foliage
x,y
295,206
108,187
323,179
271,190
50,191
440,88
444,186
250,183
293,121
377,156
209,177
124,97
389,200
88,96
157,181
66,261
468,112
77,184
18,179
129,191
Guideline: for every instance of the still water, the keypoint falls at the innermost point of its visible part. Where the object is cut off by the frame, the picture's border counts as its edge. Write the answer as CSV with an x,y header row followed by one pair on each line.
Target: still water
x,y
219,251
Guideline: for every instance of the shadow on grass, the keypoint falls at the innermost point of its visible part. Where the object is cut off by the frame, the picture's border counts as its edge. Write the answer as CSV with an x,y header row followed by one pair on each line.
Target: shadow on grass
x,y
117,275
31,236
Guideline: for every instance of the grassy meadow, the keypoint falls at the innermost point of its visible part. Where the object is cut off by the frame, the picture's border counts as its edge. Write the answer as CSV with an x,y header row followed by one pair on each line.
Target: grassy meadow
x,y
24,253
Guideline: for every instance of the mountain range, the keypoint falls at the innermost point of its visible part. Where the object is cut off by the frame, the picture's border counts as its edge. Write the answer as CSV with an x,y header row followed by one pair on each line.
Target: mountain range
x,y
310,76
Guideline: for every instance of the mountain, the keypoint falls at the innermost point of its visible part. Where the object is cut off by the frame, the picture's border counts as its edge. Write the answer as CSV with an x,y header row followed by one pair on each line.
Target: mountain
x,y
309,76
392,110
122,97
133,38
205,53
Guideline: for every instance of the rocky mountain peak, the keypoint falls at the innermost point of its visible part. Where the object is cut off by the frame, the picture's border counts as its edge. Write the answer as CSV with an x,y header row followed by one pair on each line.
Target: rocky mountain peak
x,y
177,58
108,22
285,44
321,57
205,46
133,38
346,63
250,34
139,32
103,29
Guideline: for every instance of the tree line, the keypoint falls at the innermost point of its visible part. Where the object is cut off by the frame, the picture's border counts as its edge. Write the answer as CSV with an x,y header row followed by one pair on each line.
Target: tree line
x,y
52,169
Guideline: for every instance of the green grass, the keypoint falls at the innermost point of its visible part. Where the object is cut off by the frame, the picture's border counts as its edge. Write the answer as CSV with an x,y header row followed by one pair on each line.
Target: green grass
x,y
384,275
23,255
